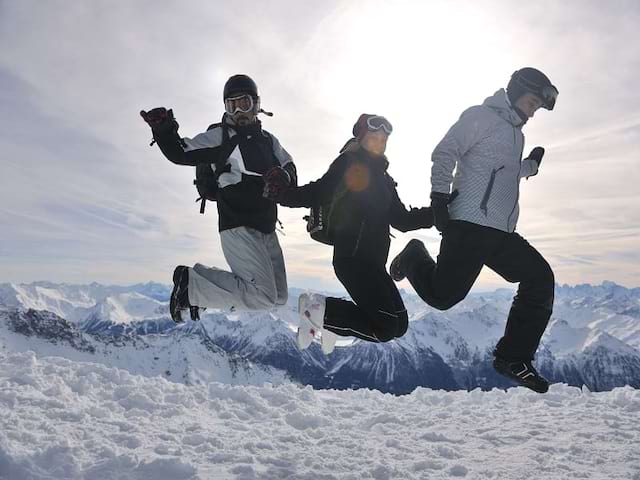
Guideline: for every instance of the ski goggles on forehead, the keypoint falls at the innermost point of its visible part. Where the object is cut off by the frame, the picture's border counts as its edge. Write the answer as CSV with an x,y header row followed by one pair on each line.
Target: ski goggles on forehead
x,y
242,103
377,122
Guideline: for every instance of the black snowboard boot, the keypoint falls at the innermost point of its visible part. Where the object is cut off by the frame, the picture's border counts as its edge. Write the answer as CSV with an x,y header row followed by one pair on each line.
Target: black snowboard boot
x,y
412,252
521,372
180,296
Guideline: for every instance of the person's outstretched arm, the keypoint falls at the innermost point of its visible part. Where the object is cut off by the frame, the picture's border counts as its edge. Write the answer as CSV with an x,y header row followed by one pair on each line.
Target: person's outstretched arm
x,y
407,220
318,192
202,148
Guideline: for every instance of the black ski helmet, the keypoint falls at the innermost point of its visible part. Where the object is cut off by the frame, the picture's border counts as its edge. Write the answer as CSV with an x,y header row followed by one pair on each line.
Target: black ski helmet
x,y
532,80
240,84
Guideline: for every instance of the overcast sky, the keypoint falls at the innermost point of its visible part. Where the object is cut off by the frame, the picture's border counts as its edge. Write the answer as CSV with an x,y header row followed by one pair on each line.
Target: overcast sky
x,y
84,198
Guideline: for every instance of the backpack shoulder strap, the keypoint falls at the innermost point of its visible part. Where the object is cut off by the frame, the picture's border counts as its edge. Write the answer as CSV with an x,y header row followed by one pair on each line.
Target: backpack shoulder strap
x,y
226,147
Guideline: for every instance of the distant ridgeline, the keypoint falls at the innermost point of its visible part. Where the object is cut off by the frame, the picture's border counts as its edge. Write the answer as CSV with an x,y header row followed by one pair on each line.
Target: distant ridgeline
x,y
593,339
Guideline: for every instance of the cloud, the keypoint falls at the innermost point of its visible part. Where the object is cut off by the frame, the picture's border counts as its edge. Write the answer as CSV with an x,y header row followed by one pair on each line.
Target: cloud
x,y
81,188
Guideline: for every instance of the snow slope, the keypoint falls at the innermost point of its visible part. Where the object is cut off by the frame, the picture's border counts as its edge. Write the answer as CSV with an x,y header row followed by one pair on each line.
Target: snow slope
x,y
61,419
188,355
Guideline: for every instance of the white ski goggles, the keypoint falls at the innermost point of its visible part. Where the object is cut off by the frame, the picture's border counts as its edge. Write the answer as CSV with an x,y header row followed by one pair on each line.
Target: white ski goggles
x,y
377,122
242,103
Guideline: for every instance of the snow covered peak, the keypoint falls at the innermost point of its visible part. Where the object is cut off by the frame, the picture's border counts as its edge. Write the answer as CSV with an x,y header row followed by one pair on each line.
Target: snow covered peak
x,y
563,340
126,308
452,349
605,289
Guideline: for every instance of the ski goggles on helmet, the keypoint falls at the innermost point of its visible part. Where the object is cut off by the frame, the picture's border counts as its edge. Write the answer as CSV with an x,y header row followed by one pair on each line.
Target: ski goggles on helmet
x,y
240,103
371,123
376,122
547,93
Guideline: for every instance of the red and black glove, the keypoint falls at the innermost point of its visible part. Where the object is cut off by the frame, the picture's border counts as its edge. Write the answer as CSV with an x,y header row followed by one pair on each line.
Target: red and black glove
x,y
160,120
276,182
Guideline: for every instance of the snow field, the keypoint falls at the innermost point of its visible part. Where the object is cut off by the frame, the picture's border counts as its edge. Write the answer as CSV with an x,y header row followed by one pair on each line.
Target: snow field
x,y
62,419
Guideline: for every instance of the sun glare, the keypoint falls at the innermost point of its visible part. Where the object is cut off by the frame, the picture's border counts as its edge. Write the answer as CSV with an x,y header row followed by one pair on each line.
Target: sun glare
x,y
419,64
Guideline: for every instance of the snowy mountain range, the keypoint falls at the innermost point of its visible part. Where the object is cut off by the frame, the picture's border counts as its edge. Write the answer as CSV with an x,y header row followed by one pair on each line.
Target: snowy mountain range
x,y
593,339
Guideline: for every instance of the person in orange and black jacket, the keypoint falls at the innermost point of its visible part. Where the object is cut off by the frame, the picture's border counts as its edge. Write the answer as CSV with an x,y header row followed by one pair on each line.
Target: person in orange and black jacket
x,y
366,204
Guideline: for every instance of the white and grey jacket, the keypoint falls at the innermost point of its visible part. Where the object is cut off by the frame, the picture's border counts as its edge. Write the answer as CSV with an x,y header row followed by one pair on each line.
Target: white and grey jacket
x,y
248,153
485,147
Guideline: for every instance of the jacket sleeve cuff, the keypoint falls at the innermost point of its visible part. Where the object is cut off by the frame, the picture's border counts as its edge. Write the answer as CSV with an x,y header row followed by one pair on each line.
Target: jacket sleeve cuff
x,y
440,195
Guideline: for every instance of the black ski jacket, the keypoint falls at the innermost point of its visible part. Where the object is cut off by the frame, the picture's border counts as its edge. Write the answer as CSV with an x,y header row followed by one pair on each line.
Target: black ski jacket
x,y
367,204
251,152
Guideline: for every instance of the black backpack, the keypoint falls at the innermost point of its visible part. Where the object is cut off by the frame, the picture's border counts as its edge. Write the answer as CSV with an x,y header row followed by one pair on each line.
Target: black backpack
x,y
206,180
319,220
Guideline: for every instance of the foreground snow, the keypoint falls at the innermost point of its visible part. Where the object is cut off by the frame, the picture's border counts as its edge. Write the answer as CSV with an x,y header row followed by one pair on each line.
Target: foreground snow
x,y
63,419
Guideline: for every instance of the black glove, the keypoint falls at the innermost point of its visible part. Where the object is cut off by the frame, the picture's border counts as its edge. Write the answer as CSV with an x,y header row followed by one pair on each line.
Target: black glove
x,y
536,154
160,120
276,182
423,216
440,207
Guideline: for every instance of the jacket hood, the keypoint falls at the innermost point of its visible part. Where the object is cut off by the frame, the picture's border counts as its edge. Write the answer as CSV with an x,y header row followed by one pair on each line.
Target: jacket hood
x,y
500,104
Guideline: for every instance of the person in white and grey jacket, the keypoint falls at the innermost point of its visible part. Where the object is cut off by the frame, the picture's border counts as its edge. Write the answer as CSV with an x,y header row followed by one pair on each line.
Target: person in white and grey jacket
x,y
241,156
476,209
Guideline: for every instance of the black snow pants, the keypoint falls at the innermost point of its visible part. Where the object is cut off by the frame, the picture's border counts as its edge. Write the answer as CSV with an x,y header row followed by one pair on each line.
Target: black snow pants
x,y
465,248
377,312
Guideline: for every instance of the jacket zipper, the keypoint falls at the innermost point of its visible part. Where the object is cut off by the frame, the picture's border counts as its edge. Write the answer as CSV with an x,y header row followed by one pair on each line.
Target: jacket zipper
x,y
487,192
517,181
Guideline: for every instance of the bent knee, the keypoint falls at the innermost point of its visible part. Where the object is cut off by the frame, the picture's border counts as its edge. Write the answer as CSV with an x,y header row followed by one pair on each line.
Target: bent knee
x,y
444,303
545,282
403,325
282,298
549,282
391,329
543,275
384,336
263,299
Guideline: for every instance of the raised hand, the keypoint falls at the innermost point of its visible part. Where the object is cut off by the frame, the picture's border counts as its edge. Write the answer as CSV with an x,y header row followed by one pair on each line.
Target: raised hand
x,y
160,120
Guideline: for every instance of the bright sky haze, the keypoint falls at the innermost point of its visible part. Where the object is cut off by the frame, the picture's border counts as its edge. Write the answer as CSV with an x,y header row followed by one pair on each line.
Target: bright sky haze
x,y
84,198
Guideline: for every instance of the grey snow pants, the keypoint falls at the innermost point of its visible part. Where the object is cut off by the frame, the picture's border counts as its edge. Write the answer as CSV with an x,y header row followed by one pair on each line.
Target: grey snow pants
x,y
257,280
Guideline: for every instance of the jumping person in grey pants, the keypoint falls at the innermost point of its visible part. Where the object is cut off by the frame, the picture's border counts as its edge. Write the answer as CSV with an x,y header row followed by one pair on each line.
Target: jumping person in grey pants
x,y
241,154
478,226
